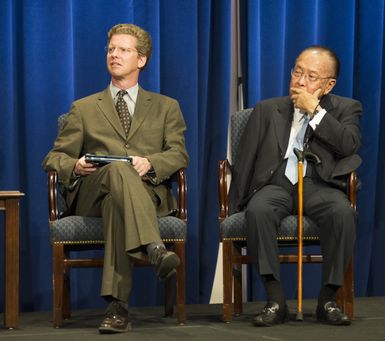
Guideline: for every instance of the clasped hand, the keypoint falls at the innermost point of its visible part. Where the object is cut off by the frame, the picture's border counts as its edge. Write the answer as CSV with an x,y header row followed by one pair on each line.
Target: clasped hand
x,y
140,164
304,100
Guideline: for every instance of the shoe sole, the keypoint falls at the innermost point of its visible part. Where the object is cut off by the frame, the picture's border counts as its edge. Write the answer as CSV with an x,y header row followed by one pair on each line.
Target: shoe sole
x,y
260,324
334,323
111,330
168,266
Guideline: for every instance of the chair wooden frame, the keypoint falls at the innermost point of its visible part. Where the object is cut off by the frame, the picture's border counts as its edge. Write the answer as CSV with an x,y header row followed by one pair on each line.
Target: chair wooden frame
x,y
233,259
62,262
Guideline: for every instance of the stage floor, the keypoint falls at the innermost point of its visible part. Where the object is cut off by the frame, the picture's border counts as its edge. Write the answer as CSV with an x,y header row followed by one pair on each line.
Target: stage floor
x,y
204,323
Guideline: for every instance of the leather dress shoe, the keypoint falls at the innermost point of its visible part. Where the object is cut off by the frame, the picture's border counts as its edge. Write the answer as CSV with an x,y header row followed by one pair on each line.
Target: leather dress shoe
x,y
165,262
115,320
271,315
330,313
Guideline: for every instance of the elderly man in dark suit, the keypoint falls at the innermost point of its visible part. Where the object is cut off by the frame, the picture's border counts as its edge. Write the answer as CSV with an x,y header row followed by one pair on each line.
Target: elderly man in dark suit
x,y
264,181
123,120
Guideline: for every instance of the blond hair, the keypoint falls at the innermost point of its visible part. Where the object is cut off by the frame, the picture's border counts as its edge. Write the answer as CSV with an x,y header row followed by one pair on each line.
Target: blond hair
x,y
143,38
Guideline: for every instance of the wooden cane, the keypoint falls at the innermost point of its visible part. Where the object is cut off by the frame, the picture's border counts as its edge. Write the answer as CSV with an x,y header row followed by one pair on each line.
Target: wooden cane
x,y
300,157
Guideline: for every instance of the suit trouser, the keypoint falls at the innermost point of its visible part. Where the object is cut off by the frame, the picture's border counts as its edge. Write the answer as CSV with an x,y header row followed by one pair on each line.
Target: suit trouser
x,y
328,207
127,206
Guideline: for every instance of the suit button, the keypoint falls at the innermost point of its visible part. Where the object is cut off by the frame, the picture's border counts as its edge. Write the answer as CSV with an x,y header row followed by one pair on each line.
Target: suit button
x,y
126,145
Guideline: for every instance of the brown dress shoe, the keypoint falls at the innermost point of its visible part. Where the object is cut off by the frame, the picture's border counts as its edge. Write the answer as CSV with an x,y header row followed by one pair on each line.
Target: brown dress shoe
x,y
271,315
165,262
115,320
330,313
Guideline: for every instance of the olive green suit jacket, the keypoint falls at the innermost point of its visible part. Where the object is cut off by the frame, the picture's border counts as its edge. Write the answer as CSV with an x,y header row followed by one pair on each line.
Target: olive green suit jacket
x,y
93,126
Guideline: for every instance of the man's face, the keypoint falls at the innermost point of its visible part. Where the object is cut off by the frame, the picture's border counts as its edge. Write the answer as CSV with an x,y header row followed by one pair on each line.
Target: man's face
x,y
313,70
123,60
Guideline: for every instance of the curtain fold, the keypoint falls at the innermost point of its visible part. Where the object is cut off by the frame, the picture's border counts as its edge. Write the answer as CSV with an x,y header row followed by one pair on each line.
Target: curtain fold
x,y
53,53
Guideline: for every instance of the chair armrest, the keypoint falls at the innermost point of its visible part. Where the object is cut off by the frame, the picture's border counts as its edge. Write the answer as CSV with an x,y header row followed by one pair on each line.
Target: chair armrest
x,y
223,172
182,193
352,189
52,195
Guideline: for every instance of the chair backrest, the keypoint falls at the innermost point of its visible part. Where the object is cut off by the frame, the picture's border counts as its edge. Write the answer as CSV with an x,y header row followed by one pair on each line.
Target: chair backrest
x,y
238,121
60,121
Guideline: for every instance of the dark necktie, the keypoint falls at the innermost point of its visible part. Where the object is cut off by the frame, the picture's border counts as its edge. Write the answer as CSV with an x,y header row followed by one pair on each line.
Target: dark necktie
x,y
122,109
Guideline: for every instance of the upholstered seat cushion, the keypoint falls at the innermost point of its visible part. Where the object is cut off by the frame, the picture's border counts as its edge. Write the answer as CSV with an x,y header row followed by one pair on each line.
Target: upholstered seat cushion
x,y
78,229
234,228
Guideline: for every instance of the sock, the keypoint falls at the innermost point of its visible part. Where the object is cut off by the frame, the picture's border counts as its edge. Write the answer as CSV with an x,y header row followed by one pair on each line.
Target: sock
x,y
110,299
327,293
274,290
123,304
152,246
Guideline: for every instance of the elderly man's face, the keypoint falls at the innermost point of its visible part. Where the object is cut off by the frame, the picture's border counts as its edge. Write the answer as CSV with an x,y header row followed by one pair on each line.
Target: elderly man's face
x,y
313,70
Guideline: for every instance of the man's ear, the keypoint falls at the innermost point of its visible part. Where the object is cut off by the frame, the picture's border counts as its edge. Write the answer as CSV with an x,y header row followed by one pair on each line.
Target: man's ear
x,y
142,60
330,85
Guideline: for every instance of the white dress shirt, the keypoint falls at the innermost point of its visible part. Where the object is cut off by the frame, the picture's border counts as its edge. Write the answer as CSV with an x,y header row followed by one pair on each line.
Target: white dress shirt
x,y
296,125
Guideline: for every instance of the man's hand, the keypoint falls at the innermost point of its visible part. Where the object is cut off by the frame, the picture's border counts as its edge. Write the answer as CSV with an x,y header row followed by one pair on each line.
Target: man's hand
x,y
141,165
83,168
304,100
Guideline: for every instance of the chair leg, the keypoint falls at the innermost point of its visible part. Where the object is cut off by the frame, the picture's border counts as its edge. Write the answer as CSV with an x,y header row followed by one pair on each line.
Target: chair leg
x,y
237,276
345,296
169,297
66,295
58,279
181,282
227,247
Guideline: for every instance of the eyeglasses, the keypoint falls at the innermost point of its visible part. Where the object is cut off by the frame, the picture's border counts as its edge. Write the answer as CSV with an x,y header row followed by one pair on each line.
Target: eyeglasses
x,y
121,50
298,73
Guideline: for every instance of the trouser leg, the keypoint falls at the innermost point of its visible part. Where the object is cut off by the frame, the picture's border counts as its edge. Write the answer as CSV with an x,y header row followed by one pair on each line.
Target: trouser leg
x,y
330,209
264,212
128,208
117,268
132,199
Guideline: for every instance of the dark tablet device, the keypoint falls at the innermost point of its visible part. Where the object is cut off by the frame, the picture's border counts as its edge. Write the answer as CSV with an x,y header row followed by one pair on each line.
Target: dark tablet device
x,y
101,160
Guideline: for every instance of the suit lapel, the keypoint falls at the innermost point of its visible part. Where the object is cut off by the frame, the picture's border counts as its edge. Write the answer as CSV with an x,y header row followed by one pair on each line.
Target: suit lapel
x,y
142,106
107,107
282,117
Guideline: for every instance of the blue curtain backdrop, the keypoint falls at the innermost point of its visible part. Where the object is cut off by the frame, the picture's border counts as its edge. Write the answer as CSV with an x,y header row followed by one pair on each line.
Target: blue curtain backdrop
x,y
52,53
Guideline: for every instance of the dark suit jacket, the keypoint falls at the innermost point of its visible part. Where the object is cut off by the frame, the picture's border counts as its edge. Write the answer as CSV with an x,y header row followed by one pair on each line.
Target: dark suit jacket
x,y
93,126
265,139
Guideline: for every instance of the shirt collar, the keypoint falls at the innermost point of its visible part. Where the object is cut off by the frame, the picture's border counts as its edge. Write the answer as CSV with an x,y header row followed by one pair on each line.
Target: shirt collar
x,y
299,115
132,92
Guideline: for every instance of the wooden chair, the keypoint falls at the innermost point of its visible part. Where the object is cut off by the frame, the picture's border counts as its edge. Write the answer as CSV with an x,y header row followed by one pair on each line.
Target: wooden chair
x,y
78,233
233,235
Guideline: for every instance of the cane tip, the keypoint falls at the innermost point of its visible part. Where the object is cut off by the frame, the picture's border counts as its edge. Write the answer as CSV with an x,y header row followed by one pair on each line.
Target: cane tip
x,y
299,317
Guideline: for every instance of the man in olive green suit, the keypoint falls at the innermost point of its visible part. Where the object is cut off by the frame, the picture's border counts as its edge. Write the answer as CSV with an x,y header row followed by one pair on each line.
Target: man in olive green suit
x,y
129,197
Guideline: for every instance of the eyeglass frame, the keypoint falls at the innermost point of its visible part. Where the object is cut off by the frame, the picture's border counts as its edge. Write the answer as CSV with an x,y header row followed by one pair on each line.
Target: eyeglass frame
x,y
310,78
123,50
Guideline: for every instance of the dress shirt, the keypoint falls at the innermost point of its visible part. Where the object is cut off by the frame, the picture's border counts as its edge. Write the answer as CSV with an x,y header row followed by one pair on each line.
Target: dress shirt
x,y
297,124
130,98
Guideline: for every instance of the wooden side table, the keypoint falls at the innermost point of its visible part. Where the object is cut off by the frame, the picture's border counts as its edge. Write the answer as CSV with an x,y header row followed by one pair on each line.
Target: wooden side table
x,y
9,203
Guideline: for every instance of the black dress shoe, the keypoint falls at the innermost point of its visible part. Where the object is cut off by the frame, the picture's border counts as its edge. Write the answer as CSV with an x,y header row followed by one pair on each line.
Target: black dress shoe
x,y
330,313
271,315
116,319
165,262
